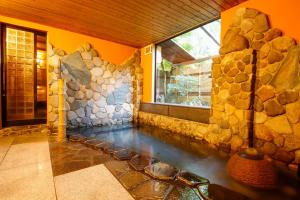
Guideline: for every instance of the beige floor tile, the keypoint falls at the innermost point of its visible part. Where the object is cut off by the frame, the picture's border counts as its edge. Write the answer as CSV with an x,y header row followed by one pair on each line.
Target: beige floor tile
x,y
26,153
5,143
27,182
90,184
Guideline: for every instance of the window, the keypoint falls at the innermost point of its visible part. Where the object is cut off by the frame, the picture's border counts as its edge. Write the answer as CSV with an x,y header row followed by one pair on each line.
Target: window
x,y
183,66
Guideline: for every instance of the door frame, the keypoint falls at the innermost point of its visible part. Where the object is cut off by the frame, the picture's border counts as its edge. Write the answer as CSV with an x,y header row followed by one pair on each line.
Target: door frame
x,y
3,110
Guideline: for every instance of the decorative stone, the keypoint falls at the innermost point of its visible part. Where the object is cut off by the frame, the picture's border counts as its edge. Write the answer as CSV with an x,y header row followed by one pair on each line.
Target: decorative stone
x,y
94,53
71,115
216,60
54,100
272,34
279,141
86,55
241,66
232,41
97,61
52,117
96,87
246,87
284,156
258,44
247,59
279,124
79,95
260,117
96,72
265,93
80,112
234,89
287,76
77,68
243,104
228,66
273,108
236,142
75,105
269,148
107,74
242,77
223,95
266,78
297,156
250,13
73,85
261,23
292,143
258,105
246,25
274,56
263,133
233,72
283,43
264,51
89,94
288,96
86,46
293,112
101,115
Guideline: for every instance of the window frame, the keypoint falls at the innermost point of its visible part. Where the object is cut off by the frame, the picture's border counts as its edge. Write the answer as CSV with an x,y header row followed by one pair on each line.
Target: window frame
x,y
155,64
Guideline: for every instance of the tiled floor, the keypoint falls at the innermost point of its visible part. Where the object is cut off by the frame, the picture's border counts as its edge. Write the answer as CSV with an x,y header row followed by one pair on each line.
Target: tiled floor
x,y
36,166
26,171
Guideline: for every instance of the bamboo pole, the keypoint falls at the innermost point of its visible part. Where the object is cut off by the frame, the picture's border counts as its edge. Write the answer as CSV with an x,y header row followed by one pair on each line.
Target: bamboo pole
x,y
61,109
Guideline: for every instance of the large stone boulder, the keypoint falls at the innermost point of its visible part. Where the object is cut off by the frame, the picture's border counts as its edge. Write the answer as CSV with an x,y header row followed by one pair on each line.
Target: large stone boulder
x,y
288,75
233,41
77,68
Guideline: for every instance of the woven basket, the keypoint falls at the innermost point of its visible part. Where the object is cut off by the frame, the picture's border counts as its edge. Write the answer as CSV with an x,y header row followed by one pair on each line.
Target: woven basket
x,y
258,173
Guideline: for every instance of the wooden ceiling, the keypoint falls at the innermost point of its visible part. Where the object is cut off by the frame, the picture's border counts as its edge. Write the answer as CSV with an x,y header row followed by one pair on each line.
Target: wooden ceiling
x,y
132,22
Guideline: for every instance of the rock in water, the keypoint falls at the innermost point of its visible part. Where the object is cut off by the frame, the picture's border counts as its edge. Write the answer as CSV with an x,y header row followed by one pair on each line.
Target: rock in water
x,y
77,68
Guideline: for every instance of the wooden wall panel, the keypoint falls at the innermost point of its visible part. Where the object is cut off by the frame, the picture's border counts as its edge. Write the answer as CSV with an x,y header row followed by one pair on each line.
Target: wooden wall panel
x,y
132,22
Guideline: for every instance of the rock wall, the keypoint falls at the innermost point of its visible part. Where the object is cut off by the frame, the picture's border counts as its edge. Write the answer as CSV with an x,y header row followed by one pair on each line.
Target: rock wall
x,y
96,92
191,129
256,75
250,39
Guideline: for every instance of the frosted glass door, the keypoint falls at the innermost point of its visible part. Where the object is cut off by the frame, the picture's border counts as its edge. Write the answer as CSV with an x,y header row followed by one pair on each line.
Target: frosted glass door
x,y
19,74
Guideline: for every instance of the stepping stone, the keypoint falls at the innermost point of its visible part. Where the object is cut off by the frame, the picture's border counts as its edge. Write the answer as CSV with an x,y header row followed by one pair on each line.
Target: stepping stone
x,y
152,189
78,138
111,148
118,168
124,154
139,162
162,171
103,145
191,179
132,179
184,192
93,143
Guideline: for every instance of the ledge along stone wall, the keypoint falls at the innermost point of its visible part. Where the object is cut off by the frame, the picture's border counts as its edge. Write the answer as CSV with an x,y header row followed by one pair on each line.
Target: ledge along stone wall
x,y
251,47
97,92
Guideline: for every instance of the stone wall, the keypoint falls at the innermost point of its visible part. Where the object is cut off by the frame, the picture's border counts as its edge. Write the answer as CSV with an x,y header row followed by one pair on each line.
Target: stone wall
x,y
187,128
250,39
255,75
96,92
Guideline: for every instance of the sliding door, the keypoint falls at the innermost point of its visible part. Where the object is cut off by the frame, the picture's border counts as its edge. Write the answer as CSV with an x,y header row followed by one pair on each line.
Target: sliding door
x,y
24,67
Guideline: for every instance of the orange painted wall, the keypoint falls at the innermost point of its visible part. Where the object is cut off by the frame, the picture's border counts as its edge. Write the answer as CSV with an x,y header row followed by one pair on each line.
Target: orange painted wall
x,y
70,41
147,65
283,14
